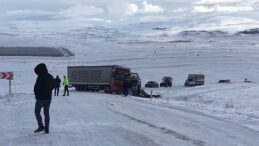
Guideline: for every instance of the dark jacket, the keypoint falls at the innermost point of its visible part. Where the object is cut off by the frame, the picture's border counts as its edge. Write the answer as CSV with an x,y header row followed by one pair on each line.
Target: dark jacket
x,y
57,82
44,83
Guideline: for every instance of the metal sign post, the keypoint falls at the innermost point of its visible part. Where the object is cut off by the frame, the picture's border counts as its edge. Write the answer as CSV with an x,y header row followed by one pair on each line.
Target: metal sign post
x,y
10,88
8,76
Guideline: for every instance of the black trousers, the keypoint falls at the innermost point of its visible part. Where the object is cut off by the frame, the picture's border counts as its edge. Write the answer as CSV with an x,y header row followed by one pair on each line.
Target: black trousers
x,y
66,90
45,104
56,91
126,91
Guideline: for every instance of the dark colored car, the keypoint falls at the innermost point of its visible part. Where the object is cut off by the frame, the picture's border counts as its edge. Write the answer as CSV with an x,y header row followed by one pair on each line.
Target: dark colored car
x,y
224,81
152,84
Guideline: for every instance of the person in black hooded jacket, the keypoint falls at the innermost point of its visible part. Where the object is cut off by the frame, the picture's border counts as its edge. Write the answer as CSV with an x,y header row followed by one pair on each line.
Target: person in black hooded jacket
x,y
43,94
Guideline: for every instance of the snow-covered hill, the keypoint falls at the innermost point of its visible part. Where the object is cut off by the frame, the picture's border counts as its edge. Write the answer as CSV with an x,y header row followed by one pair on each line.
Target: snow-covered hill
x,y
254,31
193,33
98,32
209,26
224,23
204,27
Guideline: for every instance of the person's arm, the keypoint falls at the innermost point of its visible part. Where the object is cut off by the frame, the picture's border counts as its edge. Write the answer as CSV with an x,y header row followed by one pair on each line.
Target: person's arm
x,y
37,87
53,83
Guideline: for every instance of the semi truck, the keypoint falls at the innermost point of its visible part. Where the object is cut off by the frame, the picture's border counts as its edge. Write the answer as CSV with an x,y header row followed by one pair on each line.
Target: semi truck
x,y
107,78
195,80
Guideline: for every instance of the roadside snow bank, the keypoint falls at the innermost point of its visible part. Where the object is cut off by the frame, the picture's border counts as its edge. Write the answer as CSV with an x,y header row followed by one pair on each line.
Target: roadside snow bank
x,y
235,98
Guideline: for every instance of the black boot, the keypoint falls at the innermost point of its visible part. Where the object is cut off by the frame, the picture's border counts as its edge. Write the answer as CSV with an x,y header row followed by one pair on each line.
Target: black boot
x,y
47,130
39,129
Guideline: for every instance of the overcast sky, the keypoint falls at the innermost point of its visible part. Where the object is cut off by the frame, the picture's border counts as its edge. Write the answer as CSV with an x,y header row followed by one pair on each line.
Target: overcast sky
x,y
16,13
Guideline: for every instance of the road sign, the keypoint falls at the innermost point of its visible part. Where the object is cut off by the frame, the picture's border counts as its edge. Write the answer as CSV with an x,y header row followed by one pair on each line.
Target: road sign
x,y
7,75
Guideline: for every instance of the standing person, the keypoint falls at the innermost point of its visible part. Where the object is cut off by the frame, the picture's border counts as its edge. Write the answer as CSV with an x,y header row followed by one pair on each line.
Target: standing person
x,y
43,94
66,83
57,85
126,87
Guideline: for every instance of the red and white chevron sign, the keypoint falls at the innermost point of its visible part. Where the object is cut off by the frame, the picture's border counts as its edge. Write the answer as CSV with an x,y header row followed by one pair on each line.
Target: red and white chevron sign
x,y
7,75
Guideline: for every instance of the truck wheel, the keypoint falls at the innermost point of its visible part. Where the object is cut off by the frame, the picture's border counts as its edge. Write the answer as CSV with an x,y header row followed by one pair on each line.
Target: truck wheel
x,y
107,90
77,88
82,88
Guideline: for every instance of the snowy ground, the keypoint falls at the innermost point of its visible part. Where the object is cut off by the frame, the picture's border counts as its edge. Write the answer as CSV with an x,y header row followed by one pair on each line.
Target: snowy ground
x,y
213,114
100,119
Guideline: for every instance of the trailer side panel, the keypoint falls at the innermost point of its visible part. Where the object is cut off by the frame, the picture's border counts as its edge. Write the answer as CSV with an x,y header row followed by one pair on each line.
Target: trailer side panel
x,y
93,75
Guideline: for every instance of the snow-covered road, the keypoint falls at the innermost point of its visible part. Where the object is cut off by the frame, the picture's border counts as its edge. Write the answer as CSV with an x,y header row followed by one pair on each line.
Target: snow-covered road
x,y
97,119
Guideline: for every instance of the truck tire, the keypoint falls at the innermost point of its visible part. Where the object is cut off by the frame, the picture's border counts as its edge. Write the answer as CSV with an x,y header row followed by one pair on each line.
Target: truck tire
x,y
161,84
107,89
77,87
81,88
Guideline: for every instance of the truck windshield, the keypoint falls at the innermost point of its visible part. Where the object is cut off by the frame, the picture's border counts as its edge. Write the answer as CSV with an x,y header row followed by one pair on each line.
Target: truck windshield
x,y
120,76
190,80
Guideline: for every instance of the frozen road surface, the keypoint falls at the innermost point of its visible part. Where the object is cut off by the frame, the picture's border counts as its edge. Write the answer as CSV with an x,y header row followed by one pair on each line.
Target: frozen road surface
x,y
96,119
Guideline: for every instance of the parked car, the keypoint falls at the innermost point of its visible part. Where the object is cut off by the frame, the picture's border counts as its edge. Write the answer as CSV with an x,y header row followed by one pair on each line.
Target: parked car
x,y
247,81
224,81
151,84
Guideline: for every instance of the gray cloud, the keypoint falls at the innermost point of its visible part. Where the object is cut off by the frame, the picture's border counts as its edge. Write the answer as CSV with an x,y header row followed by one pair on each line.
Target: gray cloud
x,y
85,12
224,6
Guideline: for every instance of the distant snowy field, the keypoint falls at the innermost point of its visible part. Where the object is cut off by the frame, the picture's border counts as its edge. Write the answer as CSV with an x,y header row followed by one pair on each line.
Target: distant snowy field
x,y
225,57
234,58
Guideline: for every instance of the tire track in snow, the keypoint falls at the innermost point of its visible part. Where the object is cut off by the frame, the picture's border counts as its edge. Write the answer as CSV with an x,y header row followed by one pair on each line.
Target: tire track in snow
x,y
163,129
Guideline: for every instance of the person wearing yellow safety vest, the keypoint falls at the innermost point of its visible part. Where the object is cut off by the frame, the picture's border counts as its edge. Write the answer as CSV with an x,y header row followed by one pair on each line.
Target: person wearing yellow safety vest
x,y
66,83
